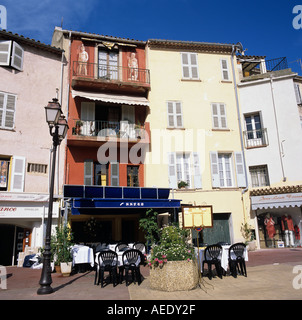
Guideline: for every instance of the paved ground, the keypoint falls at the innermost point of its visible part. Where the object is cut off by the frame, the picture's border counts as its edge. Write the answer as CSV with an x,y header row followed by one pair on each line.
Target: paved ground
x,y
270,277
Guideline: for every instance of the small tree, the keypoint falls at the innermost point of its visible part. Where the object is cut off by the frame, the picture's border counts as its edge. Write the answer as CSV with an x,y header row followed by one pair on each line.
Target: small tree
x,y
150,227
61,244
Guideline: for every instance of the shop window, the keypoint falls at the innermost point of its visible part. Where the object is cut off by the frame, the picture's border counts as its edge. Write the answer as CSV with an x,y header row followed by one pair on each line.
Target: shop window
x,y
132,176
4,169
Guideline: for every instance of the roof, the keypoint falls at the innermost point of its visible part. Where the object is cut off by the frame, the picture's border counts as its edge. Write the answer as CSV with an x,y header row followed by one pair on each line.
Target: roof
x,y
100,37
31,42
191,45
276,190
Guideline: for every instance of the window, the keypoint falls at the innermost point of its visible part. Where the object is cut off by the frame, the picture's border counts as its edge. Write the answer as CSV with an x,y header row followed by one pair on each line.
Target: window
x,y
11,54
259,176
184,167
7,110
97,174
37,168
132,176
101,174
4,170
222,169
298,93
189,66
225,69
108,65
255,135
219,116
174,114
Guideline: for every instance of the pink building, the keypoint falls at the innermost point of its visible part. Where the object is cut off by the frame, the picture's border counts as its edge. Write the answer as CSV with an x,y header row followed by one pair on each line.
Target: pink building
x,y
31,74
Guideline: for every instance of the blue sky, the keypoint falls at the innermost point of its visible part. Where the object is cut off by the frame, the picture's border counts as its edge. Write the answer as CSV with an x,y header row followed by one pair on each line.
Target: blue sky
x,y
263,27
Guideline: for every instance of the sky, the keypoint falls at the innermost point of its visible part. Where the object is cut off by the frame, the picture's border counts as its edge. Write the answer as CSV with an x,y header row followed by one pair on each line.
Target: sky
x,y
263,27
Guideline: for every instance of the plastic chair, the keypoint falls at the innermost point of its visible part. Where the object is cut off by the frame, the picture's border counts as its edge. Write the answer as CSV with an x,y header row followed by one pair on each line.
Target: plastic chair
x,y
131,262
211,256
107,262
142,248
236,259
121,246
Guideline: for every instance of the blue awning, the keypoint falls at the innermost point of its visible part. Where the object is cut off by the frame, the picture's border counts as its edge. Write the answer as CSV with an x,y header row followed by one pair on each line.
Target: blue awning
x,y
86,198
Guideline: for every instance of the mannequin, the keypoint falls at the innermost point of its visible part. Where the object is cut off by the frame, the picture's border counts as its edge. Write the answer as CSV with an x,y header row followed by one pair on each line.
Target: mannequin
x,y
288,229
270,226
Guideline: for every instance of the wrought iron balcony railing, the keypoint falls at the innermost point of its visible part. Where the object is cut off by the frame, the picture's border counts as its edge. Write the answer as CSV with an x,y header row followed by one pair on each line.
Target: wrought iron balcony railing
x,y
255,138
110,73
122,129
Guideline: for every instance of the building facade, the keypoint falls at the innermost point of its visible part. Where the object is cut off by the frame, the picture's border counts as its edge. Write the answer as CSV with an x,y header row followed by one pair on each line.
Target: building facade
x,y
270,104
196,148
32,75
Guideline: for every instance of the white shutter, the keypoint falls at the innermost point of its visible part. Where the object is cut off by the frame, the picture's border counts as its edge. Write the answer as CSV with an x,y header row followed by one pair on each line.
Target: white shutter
x,y
172,170
10,111
114,174
2,114
298,93
88,172
17,57
215,115
5,52
170,108
185,65
194,67
214,169
219,116
18,174
223,120
178,115
88,118
240,170
224,69
189,66
196,170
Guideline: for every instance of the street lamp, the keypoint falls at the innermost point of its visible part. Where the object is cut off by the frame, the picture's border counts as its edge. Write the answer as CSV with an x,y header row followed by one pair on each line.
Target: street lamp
x,y
58,129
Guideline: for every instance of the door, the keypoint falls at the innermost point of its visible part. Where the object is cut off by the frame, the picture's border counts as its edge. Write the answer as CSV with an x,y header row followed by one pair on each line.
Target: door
x,y
220,231
254,130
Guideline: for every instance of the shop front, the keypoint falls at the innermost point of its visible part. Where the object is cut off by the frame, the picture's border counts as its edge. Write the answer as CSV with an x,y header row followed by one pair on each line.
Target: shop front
x,y
279,217
112,214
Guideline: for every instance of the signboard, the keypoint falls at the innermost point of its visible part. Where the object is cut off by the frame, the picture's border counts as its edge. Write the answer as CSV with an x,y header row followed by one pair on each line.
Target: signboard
x,y
197,217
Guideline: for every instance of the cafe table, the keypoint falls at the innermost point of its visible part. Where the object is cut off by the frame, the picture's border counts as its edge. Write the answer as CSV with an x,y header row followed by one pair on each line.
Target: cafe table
x,y
82,254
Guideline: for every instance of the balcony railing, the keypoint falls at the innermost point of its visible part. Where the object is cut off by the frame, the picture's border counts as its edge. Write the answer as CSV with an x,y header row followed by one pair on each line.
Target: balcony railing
x,y
255,138
110,73
121,129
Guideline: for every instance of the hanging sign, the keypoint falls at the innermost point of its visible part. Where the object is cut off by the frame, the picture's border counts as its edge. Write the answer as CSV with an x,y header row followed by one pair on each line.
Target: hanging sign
x,y
197,217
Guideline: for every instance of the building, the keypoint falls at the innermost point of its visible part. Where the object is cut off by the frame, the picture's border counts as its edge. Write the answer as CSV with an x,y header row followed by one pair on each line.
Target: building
x,y
32,74
195,131
109,83
270,102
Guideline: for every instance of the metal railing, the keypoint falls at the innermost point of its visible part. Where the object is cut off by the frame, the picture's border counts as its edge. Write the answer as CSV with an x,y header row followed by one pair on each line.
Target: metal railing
x,y
255,138
110,73
100,128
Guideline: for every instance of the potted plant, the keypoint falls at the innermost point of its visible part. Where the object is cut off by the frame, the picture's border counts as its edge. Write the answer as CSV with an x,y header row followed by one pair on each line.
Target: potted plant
x,y
182,184
150,227
248,235
79,124
172,254
61,244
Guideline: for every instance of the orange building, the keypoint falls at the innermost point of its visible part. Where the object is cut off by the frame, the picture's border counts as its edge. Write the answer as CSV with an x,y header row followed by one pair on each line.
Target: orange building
x,y
108,136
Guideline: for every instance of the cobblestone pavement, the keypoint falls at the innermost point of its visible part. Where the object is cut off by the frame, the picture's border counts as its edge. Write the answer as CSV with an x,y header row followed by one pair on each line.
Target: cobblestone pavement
x,y
273,274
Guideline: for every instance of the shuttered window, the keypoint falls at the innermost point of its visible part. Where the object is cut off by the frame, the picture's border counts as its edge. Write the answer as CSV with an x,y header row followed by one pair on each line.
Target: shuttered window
x,y
189,66
225,69
88,172
18,174
298,93
219,118
11,54
114,174
7,110
175,119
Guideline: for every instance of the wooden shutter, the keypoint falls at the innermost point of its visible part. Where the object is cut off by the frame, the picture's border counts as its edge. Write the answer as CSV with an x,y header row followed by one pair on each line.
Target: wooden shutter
x,y
224,69
194,67
178,115
189,66
114,174
240,170
10,111
18,174
172,170
185,65
214,169
5,52
215,115
196,170
219,116
88,172
170,108
223,120
17,57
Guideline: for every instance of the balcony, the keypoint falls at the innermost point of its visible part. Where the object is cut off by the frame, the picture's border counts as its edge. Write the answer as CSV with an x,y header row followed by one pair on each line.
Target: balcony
x,y
117,78
93,133
255,138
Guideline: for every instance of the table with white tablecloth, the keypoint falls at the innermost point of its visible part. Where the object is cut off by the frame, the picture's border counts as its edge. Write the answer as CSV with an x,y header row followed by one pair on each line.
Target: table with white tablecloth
x,y
224,256
82,254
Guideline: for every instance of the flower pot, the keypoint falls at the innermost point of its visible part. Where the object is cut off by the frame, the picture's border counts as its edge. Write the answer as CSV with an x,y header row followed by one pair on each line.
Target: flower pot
x,y
58,269
251,245
66,268
174,276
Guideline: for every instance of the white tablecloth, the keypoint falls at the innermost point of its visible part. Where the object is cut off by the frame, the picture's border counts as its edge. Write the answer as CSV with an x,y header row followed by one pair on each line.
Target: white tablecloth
x,y
224,256
82,254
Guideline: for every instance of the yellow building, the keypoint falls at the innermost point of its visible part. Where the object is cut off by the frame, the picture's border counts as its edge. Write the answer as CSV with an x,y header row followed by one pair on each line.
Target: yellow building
x,y
195,132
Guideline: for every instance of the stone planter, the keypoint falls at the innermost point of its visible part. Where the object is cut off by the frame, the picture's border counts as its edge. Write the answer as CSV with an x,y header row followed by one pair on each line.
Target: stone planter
x,y
251,245
174,276
66,268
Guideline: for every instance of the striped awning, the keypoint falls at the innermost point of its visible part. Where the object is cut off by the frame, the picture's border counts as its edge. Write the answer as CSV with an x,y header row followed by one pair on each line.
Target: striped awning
x,y
284,200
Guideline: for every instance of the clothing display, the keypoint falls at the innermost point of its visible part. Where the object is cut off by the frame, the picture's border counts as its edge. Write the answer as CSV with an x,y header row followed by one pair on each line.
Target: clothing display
x,y
287,223
297,232
270,226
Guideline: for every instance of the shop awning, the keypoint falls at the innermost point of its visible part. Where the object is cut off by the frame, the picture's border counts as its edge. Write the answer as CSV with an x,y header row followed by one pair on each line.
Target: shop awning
x,y
284,200
112,98
83,199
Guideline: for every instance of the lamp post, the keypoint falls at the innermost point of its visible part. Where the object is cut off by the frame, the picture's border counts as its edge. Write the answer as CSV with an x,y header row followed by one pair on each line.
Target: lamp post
x,y
58,128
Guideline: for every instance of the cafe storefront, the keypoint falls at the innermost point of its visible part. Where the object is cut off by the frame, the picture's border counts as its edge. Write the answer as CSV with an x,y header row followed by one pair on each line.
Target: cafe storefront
x,y
278,213
112,214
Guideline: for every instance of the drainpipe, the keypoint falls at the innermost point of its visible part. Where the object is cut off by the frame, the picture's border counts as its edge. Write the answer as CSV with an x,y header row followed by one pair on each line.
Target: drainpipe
x,y
281,154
